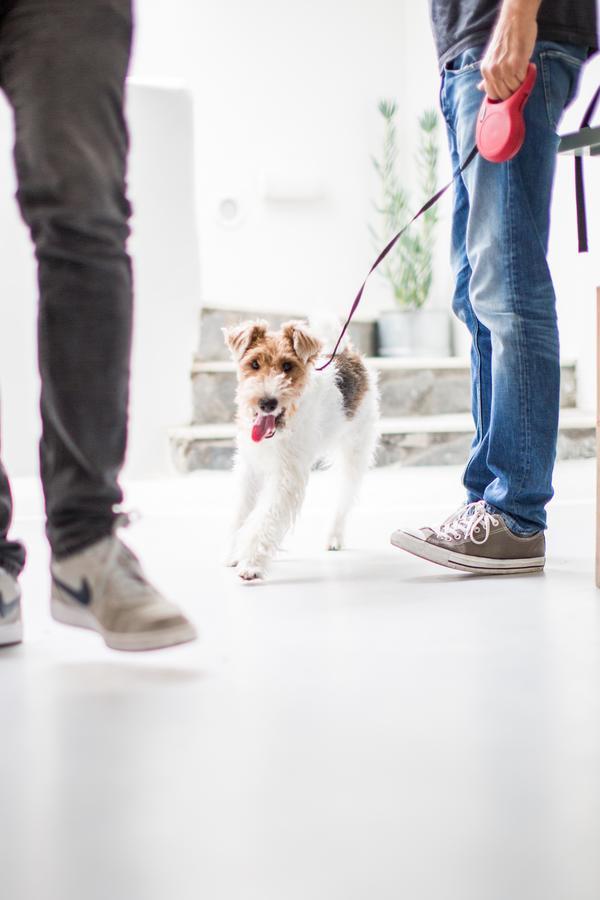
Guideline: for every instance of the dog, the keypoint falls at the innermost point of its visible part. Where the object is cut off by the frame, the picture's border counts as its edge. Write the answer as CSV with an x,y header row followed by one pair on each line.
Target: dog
x,y
289,418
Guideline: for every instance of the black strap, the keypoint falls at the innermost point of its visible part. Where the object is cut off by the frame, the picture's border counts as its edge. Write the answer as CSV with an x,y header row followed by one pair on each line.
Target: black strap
x,y
432,200
582,235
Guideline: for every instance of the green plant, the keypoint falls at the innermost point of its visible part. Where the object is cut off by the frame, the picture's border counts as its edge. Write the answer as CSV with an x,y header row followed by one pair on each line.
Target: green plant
x,y
408,268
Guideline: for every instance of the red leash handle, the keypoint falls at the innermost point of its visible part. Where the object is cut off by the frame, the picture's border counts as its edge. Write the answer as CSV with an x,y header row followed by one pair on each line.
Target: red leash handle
x,y
501,125
389,246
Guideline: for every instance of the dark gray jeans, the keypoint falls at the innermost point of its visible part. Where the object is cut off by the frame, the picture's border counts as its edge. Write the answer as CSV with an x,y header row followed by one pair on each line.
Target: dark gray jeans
x,y
62,67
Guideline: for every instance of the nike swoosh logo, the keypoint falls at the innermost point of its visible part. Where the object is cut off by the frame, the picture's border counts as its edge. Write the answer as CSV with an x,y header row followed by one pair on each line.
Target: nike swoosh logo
x,y
83,595
7,608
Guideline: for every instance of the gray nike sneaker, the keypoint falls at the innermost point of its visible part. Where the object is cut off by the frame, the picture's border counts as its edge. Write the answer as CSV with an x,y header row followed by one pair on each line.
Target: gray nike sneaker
x,y
475,540
104,588
11,627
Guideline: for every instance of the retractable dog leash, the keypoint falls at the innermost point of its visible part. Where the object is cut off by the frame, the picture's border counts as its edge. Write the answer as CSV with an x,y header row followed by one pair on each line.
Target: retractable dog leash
x,y
432,200
500,128
500,133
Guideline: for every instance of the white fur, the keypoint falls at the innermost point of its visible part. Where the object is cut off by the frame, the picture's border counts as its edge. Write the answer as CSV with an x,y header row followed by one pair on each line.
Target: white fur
x,y
273,474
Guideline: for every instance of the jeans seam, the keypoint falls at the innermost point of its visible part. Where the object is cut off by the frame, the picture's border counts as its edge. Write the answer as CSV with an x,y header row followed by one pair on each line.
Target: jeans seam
x,y
523,365
562,54
575,66
475,339
443,106
546,86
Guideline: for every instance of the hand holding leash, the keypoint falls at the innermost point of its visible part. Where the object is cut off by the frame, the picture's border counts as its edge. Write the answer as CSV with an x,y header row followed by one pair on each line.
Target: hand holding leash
x,y
504,65
501,125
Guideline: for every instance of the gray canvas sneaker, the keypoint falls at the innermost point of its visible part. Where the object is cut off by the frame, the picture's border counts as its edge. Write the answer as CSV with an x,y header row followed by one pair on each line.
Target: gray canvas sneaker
x,y
475,540
11,628
104,588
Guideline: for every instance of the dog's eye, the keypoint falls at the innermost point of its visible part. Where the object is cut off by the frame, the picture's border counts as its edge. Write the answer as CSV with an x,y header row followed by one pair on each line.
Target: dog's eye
x,y
287,366
255,364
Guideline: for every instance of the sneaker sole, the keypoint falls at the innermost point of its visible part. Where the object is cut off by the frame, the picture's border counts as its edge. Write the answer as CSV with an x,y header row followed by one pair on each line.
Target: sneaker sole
x,y
476,565
11,634
67,614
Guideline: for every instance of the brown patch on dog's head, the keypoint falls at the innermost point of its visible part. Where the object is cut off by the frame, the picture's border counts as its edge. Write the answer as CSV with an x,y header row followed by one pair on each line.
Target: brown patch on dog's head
x,y
239,338
304,344
273,368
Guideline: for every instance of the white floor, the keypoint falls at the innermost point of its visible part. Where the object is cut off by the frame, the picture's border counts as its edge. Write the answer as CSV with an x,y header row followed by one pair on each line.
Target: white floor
x,y
362,726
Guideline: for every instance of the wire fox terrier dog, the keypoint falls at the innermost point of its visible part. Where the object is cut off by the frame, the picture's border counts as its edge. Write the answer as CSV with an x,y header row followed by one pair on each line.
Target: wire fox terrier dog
x,y
290,417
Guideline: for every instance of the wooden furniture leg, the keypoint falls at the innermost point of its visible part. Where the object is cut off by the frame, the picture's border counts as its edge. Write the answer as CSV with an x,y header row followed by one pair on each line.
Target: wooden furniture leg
x,y
597,438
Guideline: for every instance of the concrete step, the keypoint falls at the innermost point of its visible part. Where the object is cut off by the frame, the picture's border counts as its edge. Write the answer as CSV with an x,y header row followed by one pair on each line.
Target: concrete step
x,y
408,440
408,387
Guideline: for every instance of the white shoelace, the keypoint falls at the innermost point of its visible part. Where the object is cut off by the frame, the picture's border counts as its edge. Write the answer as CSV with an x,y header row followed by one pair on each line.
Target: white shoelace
x,y
470,521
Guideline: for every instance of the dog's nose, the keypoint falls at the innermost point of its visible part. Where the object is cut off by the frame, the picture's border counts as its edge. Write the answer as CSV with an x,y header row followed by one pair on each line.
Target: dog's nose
x,y
268,404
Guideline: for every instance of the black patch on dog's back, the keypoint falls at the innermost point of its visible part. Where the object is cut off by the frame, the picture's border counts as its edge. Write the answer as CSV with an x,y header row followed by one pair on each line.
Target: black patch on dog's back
x,y
352,380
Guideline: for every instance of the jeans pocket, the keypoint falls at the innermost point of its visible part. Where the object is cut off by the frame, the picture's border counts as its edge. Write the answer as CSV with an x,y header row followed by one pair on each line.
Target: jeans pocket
x,y
560,73
464,70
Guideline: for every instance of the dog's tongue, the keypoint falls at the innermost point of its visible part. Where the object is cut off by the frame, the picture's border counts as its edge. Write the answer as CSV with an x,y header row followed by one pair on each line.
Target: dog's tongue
x,y
263,427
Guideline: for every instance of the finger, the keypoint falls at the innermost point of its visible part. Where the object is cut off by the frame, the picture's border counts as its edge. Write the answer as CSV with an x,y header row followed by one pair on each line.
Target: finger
x,y
490,81
498,85
512,82
490,88
503,89
521,70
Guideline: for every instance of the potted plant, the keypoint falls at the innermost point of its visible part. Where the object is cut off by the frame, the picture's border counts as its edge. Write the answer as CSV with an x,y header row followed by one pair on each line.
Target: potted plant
x,y
412,328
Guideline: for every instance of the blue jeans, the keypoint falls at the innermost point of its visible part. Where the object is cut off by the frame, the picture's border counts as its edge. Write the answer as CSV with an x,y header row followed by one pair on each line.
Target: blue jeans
x,y
504,291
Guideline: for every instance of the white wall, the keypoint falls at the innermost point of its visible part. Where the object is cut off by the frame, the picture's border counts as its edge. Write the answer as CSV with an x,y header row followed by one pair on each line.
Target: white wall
x,y
164,244
286,120
18,308
164,247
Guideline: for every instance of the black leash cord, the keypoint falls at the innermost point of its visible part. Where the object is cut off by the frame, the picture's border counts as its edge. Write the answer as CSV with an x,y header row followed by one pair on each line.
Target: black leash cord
x,y
432,200
582,234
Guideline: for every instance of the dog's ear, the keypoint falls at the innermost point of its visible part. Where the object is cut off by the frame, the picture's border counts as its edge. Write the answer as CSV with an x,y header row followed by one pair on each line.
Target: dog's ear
x,y
239,338
305,345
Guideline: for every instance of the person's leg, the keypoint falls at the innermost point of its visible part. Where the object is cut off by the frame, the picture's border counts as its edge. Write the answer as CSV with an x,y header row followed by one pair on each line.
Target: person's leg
x,y
63,68
510,293
12,553
12,560
477,475
511,290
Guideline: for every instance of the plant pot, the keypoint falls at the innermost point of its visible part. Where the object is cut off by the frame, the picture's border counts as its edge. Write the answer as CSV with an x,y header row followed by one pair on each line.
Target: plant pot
x,y
414,332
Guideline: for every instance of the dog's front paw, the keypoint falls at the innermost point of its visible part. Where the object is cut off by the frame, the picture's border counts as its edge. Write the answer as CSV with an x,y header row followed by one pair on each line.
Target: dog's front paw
x,y
335,542
231,561
249,571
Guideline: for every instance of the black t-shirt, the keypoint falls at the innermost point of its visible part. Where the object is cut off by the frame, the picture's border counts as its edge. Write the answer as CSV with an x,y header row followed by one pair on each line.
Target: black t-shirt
x,y
460,24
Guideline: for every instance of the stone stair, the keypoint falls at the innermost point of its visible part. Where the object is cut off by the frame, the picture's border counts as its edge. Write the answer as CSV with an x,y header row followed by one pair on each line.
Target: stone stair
x,y
424,406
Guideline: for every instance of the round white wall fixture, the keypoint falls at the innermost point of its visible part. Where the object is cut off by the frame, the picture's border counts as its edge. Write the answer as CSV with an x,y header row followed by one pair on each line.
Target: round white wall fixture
x,y
230,211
